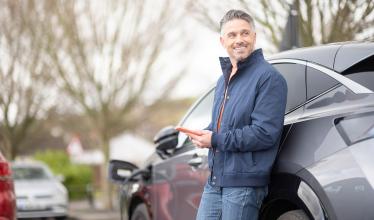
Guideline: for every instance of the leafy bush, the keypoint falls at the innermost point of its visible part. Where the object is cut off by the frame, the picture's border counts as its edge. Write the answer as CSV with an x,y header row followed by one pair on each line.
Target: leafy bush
x,y
76,177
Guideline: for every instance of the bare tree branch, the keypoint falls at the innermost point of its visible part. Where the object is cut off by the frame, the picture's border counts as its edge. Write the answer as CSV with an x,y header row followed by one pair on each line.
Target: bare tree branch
x,y
319,21
105,59
23,72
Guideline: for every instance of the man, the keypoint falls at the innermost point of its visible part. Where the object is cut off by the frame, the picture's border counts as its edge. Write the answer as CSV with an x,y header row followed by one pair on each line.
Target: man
x,y
247,120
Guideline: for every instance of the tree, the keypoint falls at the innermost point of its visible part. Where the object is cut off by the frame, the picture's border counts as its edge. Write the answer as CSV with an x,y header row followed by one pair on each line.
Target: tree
x,y
319,22
24,74
105,56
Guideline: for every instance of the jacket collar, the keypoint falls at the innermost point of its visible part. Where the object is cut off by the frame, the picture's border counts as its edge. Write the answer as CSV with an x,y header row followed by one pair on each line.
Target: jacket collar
x,y
226,65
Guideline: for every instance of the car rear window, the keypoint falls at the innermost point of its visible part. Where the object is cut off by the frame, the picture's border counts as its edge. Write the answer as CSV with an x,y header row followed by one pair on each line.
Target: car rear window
x,y
356,128
362,72
364,65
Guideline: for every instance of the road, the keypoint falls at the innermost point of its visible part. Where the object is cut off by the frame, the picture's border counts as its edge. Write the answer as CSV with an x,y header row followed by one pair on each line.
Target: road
x,y
81,210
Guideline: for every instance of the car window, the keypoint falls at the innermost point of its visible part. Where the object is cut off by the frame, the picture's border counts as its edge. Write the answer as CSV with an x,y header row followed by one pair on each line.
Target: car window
x,y
295,77
318,82
29,173
199,117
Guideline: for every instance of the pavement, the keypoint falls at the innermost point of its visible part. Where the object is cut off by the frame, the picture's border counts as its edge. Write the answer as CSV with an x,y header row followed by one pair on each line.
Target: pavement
x,y
81,210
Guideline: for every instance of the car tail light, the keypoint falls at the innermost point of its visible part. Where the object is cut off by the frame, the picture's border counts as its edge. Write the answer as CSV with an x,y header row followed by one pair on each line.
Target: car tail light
x,y
5,171
7,196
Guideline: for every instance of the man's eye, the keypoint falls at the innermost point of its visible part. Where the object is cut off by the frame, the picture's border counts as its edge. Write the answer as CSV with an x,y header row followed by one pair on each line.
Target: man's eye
x,y
245,34
231,35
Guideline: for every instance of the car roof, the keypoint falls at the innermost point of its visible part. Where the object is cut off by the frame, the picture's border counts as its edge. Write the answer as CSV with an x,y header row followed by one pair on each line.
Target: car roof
x,y
337,56
350,54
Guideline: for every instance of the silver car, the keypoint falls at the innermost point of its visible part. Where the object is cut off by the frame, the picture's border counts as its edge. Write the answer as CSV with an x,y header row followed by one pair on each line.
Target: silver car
x,y
39,193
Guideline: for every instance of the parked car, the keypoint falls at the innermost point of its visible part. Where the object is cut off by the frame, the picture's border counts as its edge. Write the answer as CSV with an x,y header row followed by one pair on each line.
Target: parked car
x,y
39,193
7,196
324,169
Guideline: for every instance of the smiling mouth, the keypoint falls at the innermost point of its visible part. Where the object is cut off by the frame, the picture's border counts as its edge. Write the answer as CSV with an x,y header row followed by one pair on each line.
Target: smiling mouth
x,y
240,49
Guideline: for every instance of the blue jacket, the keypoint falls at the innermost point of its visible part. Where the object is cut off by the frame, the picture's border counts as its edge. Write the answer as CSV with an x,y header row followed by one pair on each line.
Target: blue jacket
x,y
244,148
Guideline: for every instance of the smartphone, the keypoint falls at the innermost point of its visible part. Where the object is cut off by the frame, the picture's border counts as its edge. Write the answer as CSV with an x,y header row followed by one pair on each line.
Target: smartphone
x,y
187,131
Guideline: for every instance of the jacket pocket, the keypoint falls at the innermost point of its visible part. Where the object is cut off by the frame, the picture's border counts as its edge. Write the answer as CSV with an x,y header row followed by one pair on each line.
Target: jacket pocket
x,y
238,162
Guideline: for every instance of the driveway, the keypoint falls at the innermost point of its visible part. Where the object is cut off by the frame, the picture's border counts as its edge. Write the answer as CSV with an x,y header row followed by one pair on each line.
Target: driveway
x,y
81,210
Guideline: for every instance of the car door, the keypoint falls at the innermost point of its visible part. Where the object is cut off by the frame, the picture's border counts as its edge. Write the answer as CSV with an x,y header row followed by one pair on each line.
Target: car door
x,y
184,174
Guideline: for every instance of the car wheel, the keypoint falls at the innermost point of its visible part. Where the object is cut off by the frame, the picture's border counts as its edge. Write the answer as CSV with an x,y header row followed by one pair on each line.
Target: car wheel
x,y
294,215
140,213
61,218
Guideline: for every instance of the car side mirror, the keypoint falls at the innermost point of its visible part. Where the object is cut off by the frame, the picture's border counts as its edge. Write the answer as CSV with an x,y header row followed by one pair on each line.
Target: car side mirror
x,y
120,171
166,139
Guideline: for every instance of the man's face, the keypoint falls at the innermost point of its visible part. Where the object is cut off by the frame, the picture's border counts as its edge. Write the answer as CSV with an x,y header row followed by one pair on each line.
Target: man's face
x,y
238,39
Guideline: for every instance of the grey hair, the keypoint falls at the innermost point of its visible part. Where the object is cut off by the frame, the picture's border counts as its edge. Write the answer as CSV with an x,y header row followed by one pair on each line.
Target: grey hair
x,y
236,14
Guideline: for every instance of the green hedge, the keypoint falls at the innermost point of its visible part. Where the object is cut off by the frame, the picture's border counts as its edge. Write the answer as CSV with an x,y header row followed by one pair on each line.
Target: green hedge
x,y
77,177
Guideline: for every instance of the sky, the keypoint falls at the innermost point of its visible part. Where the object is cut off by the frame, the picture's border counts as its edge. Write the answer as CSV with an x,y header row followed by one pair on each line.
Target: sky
x,y
203,68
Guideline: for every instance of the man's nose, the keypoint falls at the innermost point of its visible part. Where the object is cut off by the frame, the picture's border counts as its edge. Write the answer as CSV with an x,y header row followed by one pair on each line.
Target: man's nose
x,y
239,39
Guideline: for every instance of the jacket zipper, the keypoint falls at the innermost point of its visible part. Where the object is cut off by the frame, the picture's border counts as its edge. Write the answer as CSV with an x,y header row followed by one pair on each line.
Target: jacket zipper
x,y
221,109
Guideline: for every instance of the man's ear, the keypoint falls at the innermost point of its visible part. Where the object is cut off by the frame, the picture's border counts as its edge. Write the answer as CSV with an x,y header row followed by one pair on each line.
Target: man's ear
x,y
222,41
254,41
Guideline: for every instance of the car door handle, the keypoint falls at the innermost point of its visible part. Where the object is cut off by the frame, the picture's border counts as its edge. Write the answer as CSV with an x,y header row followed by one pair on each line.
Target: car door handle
x,y
195,162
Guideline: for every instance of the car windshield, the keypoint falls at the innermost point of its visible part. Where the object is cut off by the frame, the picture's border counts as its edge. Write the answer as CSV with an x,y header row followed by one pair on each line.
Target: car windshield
x,y
29,173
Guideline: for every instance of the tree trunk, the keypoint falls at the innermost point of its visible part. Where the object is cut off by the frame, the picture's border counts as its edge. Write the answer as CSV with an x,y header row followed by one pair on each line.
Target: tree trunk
x,y
106,187
13,149
7,148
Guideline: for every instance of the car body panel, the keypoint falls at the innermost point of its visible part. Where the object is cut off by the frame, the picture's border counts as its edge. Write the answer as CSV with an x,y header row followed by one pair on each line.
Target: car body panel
x,y
7,195
347,179
336,56
323,55
181,178
314,136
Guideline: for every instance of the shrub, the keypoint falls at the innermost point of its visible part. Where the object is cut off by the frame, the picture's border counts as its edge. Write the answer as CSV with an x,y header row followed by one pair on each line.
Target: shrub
x,y
77,177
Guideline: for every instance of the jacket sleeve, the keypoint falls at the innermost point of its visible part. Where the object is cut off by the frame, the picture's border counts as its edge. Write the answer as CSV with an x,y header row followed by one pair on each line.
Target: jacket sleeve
x,y
267,120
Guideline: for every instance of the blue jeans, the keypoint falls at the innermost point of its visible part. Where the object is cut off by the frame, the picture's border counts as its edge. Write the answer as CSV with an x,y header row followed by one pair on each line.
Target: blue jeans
x,y
228,203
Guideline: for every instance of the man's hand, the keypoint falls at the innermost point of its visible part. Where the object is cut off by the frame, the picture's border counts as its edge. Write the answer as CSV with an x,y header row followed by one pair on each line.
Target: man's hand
x,y
202,139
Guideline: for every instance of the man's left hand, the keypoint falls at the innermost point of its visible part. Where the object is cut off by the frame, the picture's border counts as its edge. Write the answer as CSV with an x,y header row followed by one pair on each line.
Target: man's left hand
x,y
203,140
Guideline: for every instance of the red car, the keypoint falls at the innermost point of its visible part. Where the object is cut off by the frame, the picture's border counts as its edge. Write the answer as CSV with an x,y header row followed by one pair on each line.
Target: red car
x,y
7,196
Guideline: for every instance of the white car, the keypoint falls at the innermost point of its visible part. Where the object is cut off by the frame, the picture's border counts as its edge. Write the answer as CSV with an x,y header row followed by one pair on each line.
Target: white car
x,y
39,193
